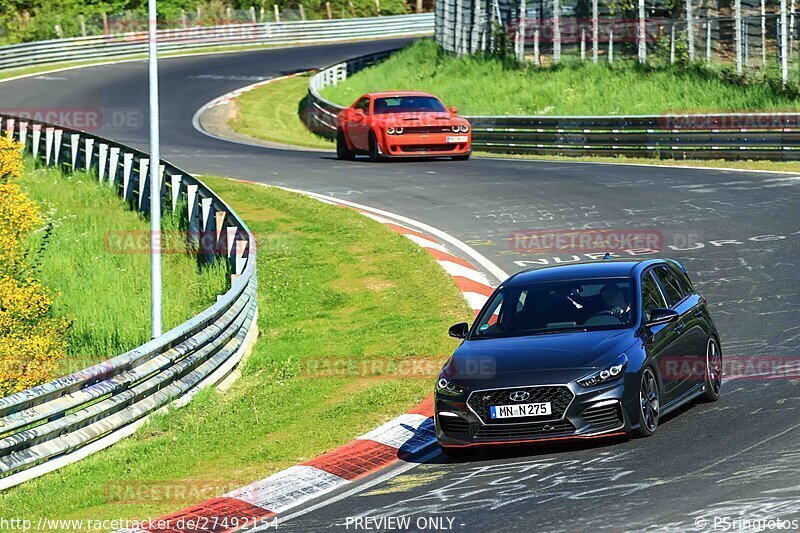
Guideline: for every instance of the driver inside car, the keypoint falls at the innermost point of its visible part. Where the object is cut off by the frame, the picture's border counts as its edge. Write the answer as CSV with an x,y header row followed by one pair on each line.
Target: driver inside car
x,y
614,300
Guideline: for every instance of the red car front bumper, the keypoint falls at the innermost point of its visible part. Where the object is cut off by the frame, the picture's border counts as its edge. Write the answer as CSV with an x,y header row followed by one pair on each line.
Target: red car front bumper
x,y
426,144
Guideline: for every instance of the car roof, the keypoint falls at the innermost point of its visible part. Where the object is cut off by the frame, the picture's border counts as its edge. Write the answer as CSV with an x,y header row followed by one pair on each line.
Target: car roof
x,y
586,270
390,94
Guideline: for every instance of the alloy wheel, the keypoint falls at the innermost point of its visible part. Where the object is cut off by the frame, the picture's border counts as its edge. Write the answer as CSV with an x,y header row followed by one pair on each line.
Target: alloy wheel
x,y
648,396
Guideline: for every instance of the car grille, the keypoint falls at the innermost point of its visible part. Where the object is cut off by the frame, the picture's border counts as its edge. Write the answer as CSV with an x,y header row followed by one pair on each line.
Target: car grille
x,y
428,147
604,416
451,425
559,397
524,431
428,129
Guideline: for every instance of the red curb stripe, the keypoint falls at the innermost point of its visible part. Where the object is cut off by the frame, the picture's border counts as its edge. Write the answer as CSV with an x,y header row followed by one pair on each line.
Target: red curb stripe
x,y
209,516
444,256
405,231
425,408
468,285
355,459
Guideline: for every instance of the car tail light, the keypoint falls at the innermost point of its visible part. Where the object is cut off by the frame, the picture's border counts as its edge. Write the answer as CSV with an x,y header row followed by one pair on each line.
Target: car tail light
x,y
456,129
464,128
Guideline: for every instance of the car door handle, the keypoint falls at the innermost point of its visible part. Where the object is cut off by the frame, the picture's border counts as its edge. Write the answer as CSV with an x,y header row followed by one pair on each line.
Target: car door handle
x,y
699,313
679,327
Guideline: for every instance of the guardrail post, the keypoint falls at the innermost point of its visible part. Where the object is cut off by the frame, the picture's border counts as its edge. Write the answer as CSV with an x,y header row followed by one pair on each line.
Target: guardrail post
x,y
219,225
583,45
102,156
23,133
113,164
230,246
277,13
302,12
48,145
127,170
672,44
737,12
556,31
690,28
37,137
191,214
88,150
144,164
763,33
175,183
58,135
595,31
74,145
240,261
10,128
708,41
205,225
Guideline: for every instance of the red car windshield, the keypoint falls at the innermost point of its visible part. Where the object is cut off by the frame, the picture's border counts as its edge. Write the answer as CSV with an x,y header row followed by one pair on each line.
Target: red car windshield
x,y
408,104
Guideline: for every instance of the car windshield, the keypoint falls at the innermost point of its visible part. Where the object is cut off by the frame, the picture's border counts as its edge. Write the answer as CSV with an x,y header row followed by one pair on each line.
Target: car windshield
x,y
408,104
557,307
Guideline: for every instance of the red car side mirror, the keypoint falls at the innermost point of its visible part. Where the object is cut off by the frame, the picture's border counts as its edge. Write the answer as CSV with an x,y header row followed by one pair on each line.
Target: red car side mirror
x,y
454,110
358,115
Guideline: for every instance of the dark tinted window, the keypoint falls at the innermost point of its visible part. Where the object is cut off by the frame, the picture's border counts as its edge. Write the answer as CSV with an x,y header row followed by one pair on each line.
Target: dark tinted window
x,y
363,105
409,104
672,285
559,306
651,294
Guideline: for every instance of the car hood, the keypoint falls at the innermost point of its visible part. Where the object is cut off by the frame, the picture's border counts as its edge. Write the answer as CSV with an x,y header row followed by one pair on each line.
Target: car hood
x,y
418,119
538,359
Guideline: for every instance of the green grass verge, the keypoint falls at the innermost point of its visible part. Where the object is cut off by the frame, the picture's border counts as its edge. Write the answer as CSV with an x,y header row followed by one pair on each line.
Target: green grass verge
x,y
335,288
272,113
106,294
483,86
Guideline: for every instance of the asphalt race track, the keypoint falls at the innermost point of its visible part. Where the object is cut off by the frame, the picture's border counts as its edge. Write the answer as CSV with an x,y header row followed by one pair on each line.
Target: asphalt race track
x,y
738,458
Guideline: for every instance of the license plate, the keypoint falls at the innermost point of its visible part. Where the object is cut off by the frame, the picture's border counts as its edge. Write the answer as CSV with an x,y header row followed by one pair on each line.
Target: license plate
x,y
520,410
456,139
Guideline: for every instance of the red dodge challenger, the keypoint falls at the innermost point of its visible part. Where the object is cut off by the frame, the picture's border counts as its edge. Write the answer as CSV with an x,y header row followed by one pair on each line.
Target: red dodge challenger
x,y
402,124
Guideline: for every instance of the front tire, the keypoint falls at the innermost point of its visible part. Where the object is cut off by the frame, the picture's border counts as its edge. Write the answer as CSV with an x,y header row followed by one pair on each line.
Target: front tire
x,y
649,403
342,151
713,376
374,155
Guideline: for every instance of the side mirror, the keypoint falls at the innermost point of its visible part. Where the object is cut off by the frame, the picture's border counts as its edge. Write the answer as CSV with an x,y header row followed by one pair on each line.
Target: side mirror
x,y
660,316
454,110
358,115
459,331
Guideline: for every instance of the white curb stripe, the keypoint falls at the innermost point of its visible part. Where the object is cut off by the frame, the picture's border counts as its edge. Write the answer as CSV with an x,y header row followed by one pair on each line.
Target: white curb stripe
x,y
396,433
475,300
288,488
454,269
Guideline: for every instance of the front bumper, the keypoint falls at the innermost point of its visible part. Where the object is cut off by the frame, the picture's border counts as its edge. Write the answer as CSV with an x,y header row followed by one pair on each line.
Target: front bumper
x,y
425,145
599,411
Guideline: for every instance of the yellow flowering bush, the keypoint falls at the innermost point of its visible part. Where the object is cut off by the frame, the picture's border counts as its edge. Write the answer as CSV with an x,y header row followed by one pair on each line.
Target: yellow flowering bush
x,y
32,342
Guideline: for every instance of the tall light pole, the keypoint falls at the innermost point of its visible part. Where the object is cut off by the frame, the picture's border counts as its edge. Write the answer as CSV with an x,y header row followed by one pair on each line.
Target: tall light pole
x,y
155,176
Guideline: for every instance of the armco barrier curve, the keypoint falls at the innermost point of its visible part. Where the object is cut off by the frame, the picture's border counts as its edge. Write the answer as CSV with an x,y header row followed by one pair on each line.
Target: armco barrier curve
x,y
54,424
717,136
267,33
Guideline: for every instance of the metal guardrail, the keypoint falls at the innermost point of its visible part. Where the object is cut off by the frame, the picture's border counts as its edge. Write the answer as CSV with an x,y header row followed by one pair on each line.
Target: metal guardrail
x,y
719,136
53,424
267,33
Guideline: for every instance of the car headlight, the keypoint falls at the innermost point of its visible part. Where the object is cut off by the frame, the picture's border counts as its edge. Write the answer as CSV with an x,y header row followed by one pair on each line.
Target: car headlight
x,y
445,386
456,128
398,131
464,128
610,373
390,130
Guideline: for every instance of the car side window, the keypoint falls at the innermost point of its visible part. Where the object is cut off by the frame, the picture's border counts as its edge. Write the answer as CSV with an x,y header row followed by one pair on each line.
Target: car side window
x,y
672,286
651,294
363,105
